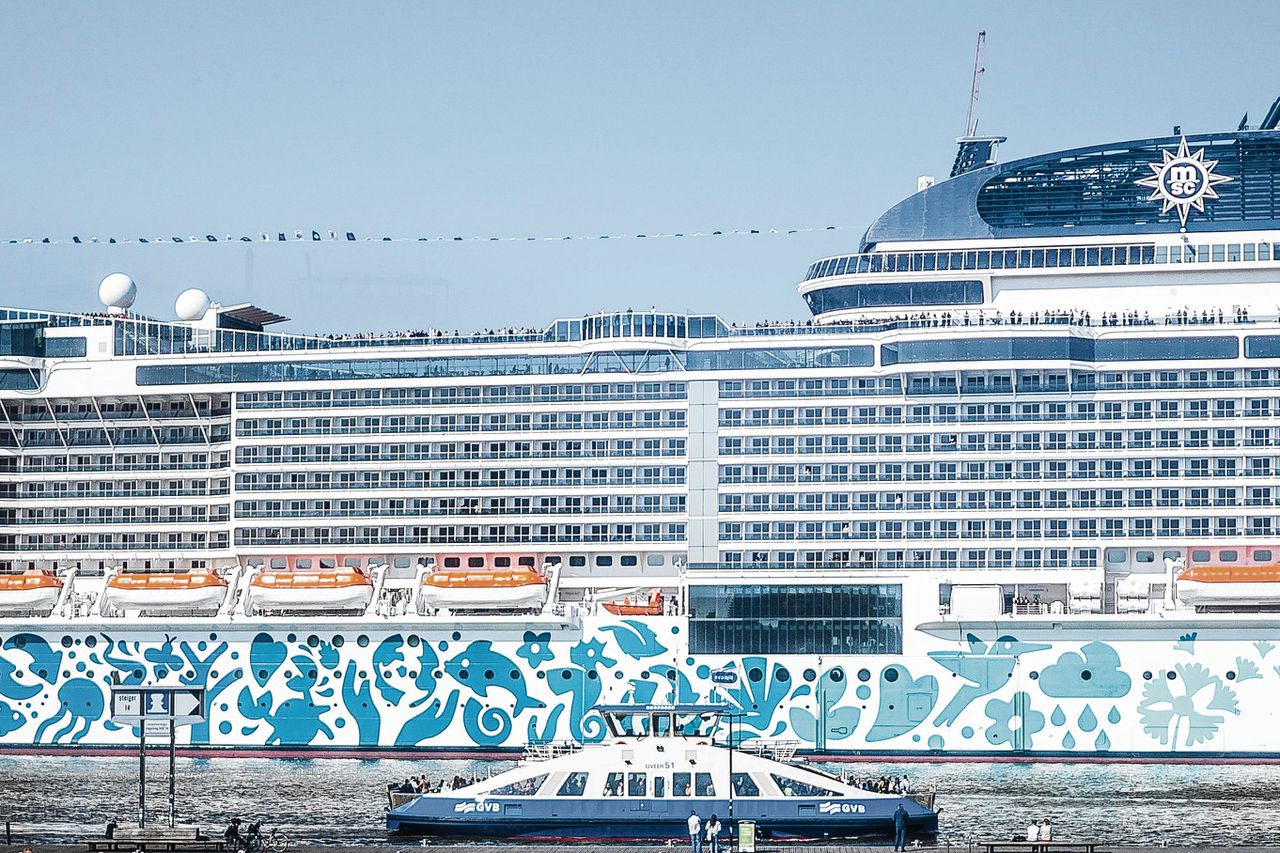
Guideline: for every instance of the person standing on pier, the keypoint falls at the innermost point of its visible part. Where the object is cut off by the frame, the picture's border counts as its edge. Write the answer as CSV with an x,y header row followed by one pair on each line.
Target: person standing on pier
x,y
695,832
900,828
713,833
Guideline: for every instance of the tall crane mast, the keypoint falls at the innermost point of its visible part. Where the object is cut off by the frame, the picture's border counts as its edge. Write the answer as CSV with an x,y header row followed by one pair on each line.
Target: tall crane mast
x,y
971,123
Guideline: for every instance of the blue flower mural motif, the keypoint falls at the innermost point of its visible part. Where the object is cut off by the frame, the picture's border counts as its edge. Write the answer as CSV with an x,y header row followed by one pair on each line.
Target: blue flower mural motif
x,y
536,648
1008,718
1168,710
590,653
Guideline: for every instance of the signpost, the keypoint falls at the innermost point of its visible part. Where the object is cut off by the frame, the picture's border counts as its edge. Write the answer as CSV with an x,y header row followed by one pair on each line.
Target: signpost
x,y
156,711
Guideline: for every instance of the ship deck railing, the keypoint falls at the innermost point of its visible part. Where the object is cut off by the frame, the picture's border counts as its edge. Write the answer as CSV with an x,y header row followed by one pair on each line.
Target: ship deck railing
x,y
778,750
546,750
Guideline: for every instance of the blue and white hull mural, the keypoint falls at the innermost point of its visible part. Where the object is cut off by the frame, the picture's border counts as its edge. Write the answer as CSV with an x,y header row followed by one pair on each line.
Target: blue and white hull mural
x,y
1000,690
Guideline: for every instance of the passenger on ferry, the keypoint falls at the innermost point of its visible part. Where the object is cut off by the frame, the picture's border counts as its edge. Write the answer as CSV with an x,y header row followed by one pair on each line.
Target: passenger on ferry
x,y
695,832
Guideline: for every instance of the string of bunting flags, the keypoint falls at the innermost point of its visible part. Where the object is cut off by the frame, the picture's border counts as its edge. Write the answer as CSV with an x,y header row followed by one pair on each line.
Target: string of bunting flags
x,y
297,235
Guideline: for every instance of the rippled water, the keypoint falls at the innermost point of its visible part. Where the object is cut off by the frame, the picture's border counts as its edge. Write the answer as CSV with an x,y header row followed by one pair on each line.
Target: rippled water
x,y
57,798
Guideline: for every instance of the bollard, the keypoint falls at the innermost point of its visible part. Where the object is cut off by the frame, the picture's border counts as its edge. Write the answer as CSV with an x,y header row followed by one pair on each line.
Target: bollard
x,y
8,833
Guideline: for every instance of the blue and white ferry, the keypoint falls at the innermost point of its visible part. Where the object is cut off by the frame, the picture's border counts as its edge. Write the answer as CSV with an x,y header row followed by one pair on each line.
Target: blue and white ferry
x,y
657,765
1010,490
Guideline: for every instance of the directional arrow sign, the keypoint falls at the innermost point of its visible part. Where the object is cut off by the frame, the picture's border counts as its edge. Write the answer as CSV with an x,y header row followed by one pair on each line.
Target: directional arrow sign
x,y
188,704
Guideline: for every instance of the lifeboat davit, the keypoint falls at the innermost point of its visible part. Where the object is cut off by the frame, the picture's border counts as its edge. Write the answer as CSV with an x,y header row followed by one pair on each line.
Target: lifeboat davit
x,y
485,589
652,607
198,591
1222,585
33,591
344,589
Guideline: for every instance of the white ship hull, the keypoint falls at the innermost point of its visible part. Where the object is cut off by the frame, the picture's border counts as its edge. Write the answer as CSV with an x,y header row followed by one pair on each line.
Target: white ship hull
x,y
528,597
200,599
38,600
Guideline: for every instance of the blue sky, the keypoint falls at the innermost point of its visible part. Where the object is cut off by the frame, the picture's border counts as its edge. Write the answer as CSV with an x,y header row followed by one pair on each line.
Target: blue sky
x,y
138,119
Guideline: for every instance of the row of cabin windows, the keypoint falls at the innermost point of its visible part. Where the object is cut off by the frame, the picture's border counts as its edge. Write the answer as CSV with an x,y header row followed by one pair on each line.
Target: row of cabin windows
x,y
682,785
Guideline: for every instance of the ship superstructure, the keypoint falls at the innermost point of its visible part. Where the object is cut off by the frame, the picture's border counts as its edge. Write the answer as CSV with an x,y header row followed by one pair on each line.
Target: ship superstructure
x,y
949,513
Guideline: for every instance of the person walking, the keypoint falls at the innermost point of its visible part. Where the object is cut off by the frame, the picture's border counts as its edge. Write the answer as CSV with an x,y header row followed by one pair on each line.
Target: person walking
x,y
713,833
900,828
695,832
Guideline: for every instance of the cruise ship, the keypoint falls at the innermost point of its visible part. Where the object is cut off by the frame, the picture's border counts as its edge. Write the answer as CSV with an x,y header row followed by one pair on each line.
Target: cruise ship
x,y
1010,491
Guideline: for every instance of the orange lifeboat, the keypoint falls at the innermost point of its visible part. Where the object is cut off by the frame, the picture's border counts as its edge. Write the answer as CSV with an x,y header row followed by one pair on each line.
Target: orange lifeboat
x,y
1220,577
199,591
484,589
653,607
33,591
343,588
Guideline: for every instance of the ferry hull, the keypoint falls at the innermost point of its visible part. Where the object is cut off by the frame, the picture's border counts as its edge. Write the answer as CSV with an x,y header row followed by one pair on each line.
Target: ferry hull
x,y
1201,688
651,820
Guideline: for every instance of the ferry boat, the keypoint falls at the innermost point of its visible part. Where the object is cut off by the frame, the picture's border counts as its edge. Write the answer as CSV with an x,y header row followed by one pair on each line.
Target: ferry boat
x,y
658,765
959,511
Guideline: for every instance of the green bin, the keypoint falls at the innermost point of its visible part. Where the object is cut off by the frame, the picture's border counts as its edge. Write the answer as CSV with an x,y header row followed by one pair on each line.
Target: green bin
x,y
746,836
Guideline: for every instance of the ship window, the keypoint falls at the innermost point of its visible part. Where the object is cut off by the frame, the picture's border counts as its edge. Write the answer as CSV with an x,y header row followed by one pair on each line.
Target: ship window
x,y
328,563
1261,556
527,562
521,788
1228,556
502,562
702,786
1116,555
452,562
1145,557
278,562
604,560
797,788
745,786
475,562
653,560
577,560
303,563
680,784
613,785
575,785
659,786
629,560
637,785
1199,556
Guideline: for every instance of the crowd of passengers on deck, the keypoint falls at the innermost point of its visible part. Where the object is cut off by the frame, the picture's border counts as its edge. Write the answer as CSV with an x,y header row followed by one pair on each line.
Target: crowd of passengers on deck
x,y
422,785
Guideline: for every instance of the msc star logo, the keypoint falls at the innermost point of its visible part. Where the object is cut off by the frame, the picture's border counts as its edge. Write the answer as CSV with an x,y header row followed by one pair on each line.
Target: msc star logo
x,y
1184,180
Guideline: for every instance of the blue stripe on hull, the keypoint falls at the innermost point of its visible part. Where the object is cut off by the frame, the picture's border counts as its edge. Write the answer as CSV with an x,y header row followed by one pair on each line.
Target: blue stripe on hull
x,y
647,830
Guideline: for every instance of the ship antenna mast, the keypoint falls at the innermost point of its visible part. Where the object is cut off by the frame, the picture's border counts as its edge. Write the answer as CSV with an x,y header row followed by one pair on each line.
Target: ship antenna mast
x,y
971,123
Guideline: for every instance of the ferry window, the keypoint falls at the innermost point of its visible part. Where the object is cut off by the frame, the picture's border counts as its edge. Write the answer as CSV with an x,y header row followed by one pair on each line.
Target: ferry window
x,y
659,786
475,562
653,560
745,786
637,785
277,562
613,785
1116,555
1145,557
604,560
577,561
1261,556
628,560
575,785
501,562
702,786
522,788
452,562
1199,556
681,784
1228,556
527,562
797,788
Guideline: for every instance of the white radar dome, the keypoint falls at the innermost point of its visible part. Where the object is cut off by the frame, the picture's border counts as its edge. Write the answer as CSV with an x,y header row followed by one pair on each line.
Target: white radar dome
x,y
117,291
191,304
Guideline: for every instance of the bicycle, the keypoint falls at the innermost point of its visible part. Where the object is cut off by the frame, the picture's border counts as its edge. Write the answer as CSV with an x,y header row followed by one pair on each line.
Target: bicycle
x,y
274,842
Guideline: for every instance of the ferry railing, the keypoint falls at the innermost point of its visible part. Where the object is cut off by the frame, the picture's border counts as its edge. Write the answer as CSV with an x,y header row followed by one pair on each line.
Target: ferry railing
x,y
546,750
